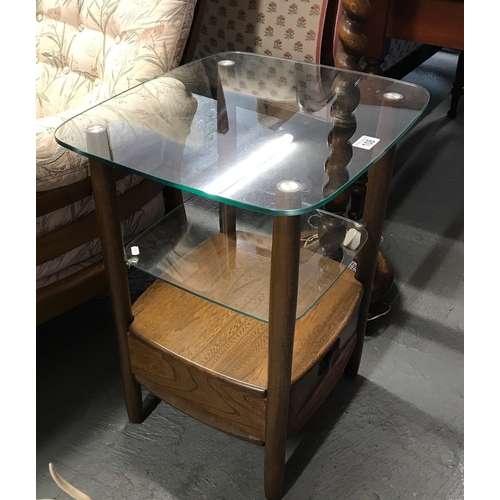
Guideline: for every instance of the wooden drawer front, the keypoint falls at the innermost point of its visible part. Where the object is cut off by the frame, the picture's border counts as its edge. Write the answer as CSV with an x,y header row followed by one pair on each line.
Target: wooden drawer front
x,y
312,389
233,408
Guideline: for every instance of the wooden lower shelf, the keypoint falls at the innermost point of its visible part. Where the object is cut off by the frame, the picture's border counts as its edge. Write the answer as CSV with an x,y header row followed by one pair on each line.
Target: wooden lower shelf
x,y
211,362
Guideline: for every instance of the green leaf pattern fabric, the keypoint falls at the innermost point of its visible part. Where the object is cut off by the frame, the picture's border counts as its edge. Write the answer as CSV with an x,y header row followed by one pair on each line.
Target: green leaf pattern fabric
x,y
86,52
90,50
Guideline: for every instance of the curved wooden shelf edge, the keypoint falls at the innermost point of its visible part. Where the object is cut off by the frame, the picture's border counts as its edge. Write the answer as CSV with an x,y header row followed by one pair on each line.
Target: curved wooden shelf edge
x,y
211,362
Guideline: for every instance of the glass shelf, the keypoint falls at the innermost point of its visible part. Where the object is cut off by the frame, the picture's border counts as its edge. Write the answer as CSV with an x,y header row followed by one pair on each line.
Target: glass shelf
x,y
233,131
187,250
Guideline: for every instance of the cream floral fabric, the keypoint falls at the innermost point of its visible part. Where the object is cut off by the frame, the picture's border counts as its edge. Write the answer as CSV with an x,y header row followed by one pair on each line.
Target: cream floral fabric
x,y
163,107
279,28
86,52
90,50
269,78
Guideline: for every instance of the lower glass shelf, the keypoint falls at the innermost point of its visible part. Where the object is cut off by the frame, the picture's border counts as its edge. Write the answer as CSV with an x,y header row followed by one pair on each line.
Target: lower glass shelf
x,y
187,249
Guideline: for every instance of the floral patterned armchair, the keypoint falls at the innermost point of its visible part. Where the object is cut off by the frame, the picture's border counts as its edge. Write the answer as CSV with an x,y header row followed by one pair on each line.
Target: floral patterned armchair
x,y
86,52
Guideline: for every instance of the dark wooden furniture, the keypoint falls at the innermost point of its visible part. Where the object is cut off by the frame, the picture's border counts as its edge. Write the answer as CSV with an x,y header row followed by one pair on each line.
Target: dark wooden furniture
x,y
60,296
458,86
434,22
365,29
249,327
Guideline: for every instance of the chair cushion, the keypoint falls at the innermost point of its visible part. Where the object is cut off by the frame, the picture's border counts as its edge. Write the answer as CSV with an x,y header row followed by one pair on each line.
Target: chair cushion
x,y
90,50
163,108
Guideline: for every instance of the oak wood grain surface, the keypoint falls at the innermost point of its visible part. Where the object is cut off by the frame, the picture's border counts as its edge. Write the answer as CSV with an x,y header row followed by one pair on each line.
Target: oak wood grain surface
x,y
230,344
234,270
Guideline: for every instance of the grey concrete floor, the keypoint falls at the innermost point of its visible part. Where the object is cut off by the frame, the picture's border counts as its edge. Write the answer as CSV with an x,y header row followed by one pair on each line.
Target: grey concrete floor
x,y
395,432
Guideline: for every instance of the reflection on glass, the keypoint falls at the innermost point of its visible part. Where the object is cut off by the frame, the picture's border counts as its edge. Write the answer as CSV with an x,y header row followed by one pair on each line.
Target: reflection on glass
x,y
175,130
188,250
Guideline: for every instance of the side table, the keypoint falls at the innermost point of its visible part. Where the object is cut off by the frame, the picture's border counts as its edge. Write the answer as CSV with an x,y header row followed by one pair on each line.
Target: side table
x,y
255,313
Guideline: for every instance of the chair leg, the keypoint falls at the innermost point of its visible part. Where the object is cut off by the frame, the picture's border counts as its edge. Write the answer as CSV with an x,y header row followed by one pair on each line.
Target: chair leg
x,y
458,86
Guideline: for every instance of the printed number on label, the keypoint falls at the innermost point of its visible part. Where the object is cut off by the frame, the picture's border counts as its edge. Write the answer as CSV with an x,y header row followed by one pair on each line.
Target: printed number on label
x,y
366,142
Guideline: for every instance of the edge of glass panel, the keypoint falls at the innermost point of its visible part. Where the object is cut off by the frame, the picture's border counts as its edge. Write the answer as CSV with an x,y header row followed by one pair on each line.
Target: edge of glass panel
x,y
137,241
265,210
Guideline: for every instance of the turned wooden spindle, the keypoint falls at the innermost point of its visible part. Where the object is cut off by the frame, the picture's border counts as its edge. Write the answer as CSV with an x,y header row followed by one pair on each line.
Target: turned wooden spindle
x,y
374,65
352,40
351,48
347,96
346,100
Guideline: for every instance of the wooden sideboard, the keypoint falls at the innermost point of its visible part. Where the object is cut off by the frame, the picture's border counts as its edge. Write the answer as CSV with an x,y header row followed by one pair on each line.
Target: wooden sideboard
x,y
431,22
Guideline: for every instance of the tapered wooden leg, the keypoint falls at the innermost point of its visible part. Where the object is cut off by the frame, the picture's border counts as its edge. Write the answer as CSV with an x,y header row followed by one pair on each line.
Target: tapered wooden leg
x,y
106,207
282,313
227,218
226,143
377,193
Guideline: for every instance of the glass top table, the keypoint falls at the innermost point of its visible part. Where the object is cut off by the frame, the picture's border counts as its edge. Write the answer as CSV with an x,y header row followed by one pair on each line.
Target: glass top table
x,y
230,127
251,137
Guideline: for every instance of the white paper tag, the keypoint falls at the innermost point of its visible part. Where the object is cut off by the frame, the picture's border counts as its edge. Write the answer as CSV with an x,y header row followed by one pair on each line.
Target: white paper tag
x,y
366,142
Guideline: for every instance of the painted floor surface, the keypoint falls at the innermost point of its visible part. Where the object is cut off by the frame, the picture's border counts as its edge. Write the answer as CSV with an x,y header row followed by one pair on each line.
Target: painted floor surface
x,y
395,432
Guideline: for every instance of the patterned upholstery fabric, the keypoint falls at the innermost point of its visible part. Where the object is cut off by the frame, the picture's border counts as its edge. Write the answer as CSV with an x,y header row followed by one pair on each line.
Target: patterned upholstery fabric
x,y
84,255
279,28
90,50
86,52
270,79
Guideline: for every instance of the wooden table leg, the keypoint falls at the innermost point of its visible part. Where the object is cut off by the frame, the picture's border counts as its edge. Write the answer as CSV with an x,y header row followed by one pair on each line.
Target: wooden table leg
x,y
106,207
282,313
377,193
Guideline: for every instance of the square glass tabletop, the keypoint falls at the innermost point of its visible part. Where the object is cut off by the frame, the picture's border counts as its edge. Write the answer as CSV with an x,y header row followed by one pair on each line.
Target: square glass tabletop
x,y
271,135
